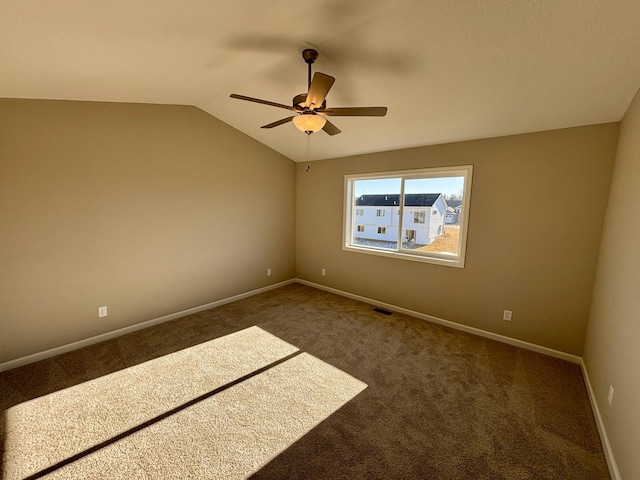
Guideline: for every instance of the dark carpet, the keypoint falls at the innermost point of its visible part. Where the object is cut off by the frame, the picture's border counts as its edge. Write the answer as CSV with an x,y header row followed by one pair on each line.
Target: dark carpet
x,y
440,404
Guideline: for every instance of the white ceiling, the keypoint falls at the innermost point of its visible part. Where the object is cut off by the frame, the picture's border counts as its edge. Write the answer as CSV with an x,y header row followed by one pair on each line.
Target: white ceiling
x,y
447,70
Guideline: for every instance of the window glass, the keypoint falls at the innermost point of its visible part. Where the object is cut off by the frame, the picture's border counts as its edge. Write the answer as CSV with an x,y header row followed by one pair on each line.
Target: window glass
x,y
427,209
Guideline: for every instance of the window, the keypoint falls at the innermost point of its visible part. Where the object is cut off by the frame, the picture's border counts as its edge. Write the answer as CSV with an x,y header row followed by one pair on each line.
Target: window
x,y
425,237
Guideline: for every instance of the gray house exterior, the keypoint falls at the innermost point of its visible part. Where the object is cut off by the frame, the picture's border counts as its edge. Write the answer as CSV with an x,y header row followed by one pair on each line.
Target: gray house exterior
x,y
454,209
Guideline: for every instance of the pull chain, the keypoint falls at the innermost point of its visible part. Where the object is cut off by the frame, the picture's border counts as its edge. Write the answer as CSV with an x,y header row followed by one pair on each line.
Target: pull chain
x,y
308,148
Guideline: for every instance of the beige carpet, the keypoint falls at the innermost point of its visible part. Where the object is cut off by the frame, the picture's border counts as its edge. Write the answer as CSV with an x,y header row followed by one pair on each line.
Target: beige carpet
x,y
202,412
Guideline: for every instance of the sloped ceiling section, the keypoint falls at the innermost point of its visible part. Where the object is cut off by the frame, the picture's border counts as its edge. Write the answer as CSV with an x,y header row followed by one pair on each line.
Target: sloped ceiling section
x,y
447,71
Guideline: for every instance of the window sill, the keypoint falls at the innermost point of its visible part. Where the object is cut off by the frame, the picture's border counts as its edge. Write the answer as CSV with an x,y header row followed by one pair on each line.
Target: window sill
x,y
437,260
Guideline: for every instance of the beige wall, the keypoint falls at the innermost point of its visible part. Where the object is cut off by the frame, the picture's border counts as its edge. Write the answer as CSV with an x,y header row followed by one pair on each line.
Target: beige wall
x,y
537,209
612,350
147,209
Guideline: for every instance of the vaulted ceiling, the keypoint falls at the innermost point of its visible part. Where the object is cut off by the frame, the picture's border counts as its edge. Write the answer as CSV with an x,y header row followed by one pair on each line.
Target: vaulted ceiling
x,y
447,70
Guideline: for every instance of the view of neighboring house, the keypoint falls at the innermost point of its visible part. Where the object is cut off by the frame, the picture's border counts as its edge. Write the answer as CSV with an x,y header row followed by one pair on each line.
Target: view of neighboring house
x,y
376,217
454,209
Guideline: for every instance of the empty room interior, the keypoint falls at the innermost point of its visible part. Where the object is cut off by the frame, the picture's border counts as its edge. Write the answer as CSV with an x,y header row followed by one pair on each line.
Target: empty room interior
x,y
323,239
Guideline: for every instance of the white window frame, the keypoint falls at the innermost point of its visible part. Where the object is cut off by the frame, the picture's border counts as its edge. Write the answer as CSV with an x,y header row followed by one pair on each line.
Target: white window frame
x,y
348,223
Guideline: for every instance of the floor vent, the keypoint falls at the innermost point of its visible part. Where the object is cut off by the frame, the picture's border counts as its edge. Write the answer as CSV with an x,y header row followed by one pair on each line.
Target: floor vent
x,y
380,310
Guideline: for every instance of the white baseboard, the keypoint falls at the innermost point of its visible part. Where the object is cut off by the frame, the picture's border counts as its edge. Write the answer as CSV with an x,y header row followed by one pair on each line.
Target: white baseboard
x,y
139,326
19,362
447,323
604,439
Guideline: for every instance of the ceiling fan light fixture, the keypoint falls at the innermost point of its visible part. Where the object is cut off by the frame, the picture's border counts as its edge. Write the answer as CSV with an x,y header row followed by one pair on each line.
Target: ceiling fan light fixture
x,y
309,123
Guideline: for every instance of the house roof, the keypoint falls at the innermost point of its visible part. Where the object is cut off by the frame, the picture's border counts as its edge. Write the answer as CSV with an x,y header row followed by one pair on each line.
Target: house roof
x,y
390,200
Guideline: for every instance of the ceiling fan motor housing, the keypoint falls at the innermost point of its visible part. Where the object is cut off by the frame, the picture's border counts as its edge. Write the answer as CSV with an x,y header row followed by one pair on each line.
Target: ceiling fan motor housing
x,y
299,100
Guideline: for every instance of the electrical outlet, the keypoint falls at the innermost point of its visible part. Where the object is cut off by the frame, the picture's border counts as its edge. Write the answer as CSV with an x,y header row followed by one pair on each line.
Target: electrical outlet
x,y
610,397
507,315
102,311
324,272
268,272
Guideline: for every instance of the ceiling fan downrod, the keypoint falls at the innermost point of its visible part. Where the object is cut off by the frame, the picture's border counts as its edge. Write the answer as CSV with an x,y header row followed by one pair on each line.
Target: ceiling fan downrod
x,y
310,56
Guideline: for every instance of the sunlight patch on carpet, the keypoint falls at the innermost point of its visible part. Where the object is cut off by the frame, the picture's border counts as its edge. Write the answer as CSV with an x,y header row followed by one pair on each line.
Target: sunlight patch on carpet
x,y
227,435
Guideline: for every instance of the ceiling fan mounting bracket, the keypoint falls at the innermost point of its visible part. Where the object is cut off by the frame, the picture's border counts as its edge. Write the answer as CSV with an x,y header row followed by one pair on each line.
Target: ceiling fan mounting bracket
x,y
310,55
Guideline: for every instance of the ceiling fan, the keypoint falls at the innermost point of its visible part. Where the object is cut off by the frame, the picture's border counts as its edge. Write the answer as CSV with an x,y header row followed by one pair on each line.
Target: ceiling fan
x,y
311,107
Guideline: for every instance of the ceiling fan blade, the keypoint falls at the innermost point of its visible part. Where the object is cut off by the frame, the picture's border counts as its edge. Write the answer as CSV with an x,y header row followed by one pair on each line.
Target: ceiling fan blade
x,y
355,112
331,129
279,122
264,102
320,86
